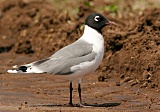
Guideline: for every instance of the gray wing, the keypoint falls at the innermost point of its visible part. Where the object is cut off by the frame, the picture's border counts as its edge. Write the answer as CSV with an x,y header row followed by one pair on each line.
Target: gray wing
x,y
75,49
67,57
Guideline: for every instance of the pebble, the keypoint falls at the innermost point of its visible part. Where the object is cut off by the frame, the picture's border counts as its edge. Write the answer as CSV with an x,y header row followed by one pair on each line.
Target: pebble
x,y
145,75
127,79
118,84
101,78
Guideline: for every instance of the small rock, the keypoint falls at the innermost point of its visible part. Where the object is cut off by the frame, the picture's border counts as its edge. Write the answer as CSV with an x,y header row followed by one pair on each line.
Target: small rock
x,y
25,102
134,83
145,75
103,69
101,78
127,79
118,84
122,76
145,84
19,108
152,85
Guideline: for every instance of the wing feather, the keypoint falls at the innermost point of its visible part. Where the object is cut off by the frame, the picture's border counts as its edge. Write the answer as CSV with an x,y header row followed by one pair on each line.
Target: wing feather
x,y
69,56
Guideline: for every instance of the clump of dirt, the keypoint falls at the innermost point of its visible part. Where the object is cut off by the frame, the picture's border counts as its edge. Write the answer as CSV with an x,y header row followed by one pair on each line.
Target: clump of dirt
x,y
35,26
135,51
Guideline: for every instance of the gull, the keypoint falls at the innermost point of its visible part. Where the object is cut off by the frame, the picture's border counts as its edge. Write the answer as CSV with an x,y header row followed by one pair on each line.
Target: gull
x,y
76,60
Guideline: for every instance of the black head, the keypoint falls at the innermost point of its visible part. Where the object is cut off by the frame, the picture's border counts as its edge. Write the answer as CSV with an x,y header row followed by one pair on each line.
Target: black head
x,y
96,21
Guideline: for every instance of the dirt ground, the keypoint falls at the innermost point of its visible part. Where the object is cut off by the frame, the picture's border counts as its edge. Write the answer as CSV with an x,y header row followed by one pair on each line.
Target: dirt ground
x,y
127,80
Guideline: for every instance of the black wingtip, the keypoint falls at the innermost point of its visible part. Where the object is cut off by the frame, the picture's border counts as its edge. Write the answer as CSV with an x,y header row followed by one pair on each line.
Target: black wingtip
x,y
23,68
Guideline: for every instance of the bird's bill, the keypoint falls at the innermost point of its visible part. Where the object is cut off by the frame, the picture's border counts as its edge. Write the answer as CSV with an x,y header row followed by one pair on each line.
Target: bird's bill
x,y
111,23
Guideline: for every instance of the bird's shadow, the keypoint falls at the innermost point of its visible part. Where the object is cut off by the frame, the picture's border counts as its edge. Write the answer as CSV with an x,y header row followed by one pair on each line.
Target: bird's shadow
x,y
103,104
77,105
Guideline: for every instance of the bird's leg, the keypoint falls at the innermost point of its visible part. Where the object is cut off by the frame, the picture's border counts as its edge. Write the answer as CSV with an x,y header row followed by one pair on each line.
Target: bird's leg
x,y
71,89
80,98
79,92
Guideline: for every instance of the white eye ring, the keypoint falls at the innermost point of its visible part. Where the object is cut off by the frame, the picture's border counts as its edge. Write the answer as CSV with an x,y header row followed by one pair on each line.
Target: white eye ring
x,y
96,18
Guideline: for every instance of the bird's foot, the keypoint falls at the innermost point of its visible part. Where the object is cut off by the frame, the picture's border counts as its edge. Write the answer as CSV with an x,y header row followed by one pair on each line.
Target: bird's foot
x,y
78,105
71,104
82,105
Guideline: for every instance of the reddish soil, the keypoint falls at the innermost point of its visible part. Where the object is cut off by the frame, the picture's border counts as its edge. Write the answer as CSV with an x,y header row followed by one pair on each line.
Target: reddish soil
x,y
128,79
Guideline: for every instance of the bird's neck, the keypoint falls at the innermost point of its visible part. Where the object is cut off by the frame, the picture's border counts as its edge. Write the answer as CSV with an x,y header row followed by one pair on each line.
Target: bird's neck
x,y
91,35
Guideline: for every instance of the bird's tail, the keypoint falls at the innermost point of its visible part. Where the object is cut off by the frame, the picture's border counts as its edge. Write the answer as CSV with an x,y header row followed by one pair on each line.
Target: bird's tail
x,y
28,68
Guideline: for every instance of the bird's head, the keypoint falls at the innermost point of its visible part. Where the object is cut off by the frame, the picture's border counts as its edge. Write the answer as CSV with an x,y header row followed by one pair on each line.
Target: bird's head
x,y
97,21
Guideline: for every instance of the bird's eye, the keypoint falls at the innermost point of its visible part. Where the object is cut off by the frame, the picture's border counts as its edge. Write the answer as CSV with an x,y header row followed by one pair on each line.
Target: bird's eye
x,y
97,18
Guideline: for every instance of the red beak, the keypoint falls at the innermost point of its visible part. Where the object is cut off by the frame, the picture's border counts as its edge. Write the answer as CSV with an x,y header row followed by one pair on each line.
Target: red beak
x,y
111,23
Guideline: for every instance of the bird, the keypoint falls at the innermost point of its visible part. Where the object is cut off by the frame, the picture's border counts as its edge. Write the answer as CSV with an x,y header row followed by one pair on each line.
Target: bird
x,y
76,60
